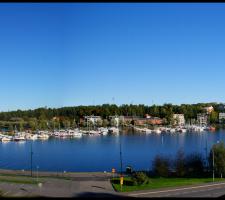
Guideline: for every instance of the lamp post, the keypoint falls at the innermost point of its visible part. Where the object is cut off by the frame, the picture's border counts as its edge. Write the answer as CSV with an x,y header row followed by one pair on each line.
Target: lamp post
x,y
31,161
213,164
120,158
37,173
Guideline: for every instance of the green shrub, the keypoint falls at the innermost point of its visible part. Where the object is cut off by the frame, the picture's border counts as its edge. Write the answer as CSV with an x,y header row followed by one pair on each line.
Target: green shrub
x,y
140,178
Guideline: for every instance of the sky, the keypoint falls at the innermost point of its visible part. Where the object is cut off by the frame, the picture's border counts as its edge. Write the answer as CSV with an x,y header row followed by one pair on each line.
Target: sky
x,y
56,54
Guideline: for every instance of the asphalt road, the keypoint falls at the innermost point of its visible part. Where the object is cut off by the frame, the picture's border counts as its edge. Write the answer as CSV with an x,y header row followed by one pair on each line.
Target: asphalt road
x,y
98,185
204,190
77,185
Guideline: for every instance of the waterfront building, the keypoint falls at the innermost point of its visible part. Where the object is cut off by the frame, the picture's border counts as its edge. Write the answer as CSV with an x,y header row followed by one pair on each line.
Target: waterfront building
x,y
221,117
149,120
127,119
179,119
92,119
208,109
202,119
114,120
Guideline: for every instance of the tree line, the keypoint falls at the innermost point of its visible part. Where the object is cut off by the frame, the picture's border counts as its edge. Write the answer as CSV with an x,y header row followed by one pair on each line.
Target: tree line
x,y
192,165
42,118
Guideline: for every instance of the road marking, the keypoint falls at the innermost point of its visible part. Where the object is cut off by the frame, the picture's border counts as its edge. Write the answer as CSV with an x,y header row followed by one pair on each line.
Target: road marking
x,y
6,193
172,190
218,194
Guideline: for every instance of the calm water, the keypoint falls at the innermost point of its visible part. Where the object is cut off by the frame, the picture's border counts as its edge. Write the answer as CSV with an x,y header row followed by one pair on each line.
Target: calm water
x,y
101,153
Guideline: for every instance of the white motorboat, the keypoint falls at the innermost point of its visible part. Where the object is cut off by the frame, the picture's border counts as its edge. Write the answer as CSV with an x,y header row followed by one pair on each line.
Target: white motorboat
x,y
5,139
93,132
172,130
103,131
157,131
114,130
146,130
77,134
19,138
43,136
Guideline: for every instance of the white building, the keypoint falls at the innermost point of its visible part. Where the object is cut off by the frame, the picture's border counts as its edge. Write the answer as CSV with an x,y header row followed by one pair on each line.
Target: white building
x,y
179,119
221,117
114,119
202,119
92,119
208,109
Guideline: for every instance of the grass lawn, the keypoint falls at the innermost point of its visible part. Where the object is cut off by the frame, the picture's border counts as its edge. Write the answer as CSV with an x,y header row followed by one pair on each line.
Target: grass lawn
x,y
19,179
34,176
157,183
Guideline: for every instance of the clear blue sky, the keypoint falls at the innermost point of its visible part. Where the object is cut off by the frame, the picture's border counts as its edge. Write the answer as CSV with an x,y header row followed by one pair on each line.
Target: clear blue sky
x,y
80,54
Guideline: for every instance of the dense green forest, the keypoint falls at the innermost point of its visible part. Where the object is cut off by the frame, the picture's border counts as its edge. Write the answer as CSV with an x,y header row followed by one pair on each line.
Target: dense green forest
x,y
42,118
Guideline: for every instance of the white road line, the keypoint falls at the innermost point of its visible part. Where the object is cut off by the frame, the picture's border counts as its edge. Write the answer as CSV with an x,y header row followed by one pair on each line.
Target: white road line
x,y
6,193
172,190
218,194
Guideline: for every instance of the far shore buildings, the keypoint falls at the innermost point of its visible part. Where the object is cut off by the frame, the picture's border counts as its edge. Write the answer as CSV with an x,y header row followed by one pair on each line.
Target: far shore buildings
x,y
92,119
202,119
149,120
140,121
115,120
179,119
221,117
208,109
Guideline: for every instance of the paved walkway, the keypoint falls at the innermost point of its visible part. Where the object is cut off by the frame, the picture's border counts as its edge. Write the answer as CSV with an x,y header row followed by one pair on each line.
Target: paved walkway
x,y
78,185
96,184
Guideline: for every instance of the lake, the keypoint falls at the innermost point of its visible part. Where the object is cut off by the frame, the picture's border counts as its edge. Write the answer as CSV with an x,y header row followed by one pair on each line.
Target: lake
x,y
102,153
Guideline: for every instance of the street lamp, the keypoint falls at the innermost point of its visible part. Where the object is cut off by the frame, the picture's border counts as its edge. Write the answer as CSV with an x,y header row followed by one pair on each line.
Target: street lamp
x,y
31,160
120,158
213,164
37,173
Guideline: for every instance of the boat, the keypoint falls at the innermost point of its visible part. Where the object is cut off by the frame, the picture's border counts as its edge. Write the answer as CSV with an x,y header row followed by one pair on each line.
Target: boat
x,y
93,132
183,130
77,134
103,131
43,136
146,130
34,137
172,130
19,138
5,139
157,131
211,128
114,130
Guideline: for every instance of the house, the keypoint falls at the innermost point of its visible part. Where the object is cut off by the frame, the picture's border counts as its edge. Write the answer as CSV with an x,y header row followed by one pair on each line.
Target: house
x,y
208,109
202,119
221,117
114,119
149,120
127,119
92,119
179,119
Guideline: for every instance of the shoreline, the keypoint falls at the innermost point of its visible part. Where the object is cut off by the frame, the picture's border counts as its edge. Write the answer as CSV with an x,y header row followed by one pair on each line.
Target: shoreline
x,y
49,173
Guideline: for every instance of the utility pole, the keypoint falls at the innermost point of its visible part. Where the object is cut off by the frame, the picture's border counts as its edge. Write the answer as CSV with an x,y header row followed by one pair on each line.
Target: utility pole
x,y
120,158
31,161
213,164
206,154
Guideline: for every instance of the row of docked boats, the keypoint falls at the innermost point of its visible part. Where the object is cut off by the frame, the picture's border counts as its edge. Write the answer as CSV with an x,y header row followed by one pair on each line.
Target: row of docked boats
x,y
22,136
44,135
183,129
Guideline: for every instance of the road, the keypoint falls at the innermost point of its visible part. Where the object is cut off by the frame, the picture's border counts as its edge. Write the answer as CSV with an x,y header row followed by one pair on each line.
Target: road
x,y
203,190
76,185
97,184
